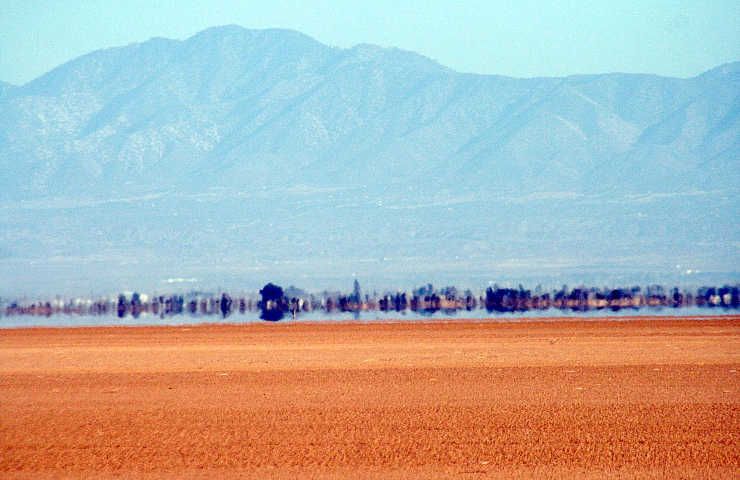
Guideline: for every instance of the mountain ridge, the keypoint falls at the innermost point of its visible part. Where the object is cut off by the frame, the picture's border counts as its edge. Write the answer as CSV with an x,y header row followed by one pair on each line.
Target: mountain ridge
x,y
733,66
272,128
234,97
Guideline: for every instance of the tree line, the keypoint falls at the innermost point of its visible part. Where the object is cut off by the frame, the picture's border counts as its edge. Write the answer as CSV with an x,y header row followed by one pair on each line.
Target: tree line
x,y
275,303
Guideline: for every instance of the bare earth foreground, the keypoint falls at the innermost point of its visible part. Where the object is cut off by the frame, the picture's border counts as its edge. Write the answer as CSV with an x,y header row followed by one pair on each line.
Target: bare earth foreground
x,y
638,398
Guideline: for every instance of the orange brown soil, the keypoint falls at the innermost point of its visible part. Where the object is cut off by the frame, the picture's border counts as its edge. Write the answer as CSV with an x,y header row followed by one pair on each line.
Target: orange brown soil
x,y
655,398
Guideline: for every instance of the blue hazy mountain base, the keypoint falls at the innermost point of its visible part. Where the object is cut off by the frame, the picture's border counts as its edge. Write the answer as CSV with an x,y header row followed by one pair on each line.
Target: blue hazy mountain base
x,y
239,156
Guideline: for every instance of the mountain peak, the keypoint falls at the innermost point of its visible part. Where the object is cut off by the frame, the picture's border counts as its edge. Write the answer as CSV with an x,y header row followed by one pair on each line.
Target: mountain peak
x,y
246,34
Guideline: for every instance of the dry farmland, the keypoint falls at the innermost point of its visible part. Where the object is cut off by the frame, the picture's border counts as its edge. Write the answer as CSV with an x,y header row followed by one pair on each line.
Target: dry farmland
x,y
648,398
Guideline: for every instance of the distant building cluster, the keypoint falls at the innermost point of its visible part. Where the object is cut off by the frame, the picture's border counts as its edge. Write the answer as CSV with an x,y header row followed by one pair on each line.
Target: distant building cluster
x,y
274,303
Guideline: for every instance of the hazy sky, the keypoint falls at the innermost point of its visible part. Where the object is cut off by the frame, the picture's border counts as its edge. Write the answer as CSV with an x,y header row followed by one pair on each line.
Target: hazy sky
x,y
519,38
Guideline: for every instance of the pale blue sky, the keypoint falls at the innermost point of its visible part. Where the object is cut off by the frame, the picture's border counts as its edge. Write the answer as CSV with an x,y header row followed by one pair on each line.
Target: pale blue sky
x,y
519,38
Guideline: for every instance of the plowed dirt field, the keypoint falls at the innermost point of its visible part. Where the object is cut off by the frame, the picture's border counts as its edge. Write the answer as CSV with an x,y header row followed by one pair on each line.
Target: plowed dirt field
x,y
647,398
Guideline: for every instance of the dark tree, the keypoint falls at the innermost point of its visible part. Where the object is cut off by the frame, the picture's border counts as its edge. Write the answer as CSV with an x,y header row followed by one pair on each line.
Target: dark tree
x,y
136,305
122,306
225,305
271,292
356,293
272,302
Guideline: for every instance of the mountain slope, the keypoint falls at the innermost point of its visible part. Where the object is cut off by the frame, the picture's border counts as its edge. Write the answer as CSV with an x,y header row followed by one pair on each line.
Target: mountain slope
x,y
287,137
5,89
246,102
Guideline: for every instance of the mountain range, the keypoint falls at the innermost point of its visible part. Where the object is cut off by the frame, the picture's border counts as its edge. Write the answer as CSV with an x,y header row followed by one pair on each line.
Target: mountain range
x,y
240,155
